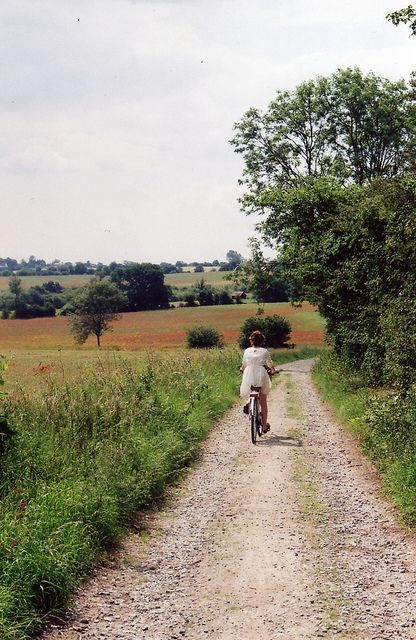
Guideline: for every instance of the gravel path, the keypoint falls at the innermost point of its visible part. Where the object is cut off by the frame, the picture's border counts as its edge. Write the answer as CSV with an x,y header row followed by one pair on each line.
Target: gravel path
x,y
288,539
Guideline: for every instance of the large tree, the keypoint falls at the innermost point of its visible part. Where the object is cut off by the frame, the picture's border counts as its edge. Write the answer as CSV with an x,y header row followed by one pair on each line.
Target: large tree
x,y
143,284
234,259
95,307
351,125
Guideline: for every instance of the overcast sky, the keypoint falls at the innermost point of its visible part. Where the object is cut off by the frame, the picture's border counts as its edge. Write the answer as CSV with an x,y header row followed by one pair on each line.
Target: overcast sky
x,y
116,114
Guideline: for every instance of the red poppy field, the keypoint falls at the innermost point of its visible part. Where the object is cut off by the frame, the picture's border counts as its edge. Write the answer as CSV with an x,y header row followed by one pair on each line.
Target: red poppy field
x,y
157,329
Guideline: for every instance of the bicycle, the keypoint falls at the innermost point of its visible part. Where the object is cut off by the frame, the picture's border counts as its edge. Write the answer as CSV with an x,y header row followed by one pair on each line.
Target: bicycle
x,y
253,409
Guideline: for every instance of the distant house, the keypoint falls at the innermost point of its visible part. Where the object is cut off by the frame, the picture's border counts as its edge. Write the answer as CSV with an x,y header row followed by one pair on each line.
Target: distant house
x,y
239,295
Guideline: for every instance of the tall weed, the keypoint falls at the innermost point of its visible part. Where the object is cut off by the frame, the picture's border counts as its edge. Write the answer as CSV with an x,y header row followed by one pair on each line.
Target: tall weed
x,y
86,455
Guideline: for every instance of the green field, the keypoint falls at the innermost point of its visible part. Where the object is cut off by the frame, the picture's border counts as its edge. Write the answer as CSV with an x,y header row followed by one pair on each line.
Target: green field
x,y
35,281
86,454
186,279
214,278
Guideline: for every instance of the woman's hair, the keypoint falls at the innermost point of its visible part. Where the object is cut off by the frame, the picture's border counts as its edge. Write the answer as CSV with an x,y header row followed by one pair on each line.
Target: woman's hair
x,y
257,338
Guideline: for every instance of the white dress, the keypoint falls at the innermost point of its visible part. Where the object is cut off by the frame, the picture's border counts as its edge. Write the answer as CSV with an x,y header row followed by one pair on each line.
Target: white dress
x,y
254,374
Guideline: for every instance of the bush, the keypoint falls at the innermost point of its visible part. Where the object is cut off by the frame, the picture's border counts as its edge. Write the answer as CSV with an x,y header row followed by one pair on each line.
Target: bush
x,y
224,297
275,328
398,333
201,337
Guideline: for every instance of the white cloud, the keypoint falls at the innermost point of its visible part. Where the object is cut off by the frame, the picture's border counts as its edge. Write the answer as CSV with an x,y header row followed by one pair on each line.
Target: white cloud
x,y
116,114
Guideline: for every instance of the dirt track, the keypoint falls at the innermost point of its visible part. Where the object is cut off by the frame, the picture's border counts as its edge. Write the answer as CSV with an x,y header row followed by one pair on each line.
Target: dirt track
x,y
289,539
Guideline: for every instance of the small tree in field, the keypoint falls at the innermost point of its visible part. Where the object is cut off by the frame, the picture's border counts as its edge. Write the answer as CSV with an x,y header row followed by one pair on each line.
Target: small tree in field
x,y
95,307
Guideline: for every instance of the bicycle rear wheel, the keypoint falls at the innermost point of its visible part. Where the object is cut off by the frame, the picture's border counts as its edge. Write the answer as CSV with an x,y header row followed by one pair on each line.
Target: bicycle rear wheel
x,y
253,423
259,424
254,416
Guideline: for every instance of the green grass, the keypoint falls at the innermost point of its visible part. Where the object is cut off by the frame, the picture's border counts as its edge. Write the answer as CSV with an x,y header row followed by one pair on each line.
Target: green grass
x,y
88,454
385,424
349,400
31,370
282,356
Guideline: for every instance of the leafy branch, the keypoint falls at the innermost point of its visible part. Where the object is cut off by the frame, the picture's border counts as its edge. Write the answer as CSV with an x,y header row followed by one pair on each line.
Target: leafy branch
x,y
404,16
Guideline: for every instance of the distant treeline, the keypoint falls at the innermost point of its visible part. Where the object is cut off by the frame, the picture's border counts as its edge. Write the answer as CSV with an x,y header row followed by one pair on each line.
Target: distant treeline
x,y
34,266
142,286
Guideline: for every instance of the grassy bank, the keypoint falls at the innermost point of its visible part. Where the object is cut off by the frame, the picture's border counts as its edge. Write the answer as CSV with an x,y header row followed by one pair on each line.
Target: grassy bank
x,y
281,356
86,455
385,423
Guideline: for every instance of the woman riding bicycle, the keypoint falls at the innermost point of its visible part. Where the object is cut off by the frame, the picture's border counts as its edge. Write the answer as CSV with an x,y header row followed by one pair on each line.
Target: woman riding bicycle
x,y
257,363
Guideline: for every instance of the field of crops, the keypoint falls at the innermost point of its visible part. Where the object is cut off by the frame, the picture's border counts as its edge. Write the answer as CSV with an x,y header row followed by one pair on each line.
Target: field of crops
x,y
156,329
186,279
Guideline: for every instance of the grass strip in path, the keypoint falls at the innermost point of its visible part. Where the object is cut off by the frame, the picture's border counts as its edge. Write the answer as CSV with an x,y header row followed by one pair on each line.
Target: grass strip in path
x,y
313,515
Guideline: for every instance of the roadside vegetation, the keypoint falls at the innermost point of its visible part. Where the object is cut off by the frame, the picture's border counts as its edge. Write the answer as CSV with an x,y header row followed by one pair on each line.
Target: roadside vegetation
x,y
384,422
86,454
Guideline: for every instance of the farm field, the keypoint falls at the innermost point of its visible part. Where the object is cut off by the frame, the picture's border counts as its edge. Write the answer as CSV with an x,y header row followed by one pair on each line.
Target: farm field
x,y
37,281
157,329
186,279
42,343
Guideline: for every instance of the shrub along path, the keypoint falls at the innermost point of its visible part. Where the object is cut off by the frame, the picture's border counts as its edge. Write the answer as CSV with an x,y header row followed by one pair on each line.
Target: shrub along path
x,y
287,539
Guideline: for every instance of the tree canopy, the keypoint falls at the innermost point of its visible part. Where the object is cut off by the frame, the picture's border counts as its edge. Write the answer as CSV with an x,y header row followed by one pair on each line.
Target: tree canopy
x,y
262,276
143,284
330,164
352,126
